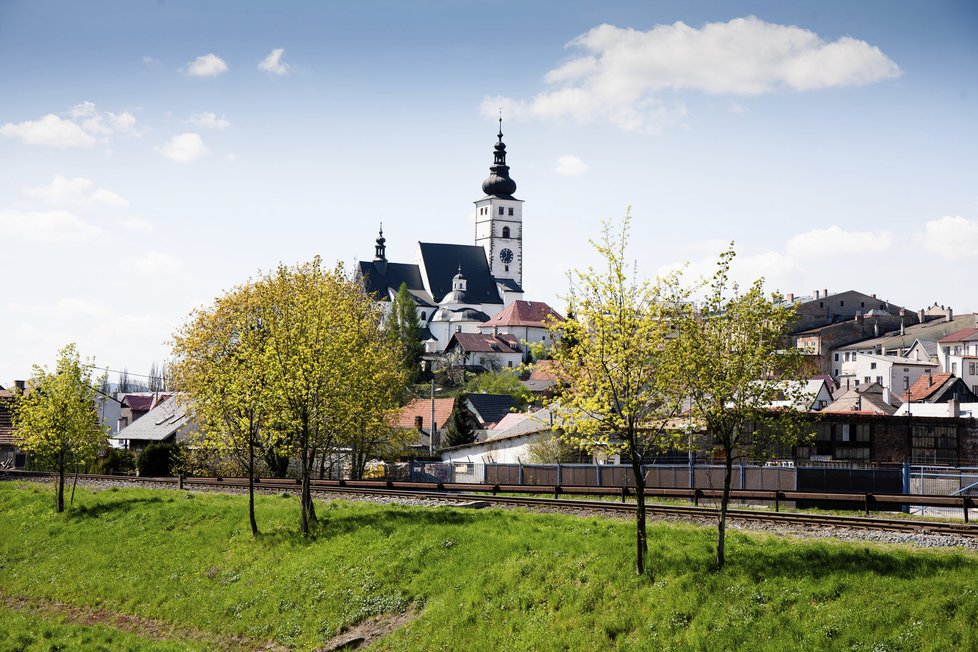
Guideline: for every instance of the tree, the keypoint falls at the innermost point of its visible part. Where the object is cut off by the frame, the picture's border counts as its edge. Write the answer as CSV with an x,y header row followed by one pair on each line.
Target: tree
x,y
222,372
331,371
617,378
460,428
124,385
157,379
56,419
404,327
737,366
504,381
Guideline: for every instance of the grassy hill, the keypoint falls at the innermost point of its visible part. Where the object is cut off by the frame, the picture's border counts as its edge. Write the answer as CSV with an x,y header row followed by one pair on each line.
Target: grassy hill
x,y
141,569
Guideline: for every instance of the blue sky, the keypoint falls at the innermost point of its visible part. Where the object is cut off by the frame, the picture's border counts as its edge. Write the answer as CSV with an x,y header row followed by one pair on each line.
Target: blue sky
x,y
148,161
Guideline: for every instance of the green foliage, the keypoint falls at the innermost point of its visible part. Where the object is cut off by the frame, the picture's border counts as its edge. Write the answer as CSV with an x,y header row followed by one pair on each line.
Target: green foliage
x,y
56,421
460,428
504,381
158,460
738,366
404,328
114,461
492,579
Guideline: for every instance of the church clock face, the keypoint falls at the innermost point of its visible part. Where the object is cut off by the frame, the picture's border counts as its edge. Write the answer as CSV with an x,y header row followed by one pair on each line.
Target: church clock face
x,y
506,255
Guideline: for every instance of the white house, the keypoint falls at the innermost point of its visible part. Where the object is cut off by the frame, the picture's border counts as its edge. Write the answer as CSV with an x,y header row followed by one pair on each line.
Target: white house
x,y
528,321
893,372
491,352
958,355
511,445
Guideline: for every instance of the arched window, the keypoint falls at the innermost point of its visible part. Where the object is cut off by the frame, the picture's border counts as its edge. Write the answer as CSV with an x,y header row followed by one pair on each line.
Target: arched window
x,y
505,231
424,315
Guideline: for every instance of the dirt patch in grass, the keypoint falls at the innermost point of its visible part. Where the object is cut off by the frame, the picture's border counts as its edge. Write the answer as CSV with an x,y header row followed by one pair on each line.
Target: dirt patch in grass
x,y
156,630
368,632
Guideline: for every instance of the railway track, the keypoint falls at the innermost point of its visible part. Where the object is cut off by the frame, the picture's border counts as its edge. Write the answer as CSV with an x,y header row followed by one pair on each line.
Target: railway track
x,y
457,494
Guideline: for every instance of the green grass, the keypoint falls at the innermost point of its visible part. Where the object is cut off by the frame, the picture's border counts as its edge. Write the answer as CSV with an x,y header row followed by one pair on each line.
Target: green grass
x,y
479,580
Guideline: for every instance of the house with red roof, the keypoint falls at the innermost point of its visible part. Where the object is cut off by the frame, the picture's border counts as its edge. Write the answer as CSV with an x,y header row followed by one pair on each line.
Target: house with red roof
x,y
479,351
528,321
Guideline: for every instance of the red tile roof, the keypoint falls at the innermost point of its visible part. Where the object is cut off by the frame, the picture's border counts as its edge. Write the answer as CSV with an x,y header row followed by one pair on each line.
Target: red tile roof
x,y
144,402
963,335
525,313
541,370
479,343
925,386
422,408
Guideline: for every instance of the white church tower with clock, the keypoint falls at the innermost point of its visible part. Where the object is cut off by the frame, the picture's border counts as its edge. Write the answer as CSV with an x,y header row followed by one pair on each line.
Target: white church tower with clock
x,y
499,224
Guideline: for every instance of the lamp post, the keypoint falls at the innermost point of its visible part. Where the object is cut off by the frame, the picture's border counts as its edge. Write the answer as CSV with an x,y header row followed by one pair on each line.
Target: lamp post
x,y
431,434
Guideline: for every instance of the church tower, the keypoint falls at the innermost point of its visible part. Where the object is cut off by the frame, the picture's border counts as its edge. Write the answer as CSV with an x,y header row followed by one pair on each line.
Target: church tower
x,y
499,219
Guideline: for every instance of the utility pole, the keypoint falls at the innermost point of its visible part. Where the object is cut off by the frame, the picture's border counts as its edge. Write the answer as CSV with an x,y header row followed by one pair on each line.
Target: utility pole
x,y
431,433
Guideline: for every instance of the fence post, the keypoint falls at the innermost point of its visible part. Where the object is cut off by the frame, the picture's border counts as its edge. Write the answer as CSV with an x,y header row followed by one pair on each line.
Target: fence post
x,y
559,478
964,503
597,471
905,477
520,475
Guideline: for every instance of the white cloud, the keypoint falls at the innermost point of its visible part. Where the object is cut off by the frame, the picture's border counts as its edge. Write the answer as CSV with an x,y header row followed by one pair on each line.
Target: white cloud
x,y
44,226
621,71
952,237
136,224
571,166
834,242
209,120
184,148
273,63
207,65
49,130
154,263
124,121
60,189
109,198
151,62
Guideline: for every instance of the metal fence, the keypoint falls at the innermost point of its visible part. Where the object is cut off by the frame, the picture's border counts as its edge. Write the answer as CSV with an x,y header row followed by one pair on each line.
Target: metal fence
x,y
942,481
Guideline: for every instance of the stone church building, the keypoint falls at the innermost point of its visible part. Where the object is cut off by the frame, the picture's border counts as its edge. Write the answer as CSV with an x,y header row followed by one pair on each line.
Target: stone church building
x,y
460,287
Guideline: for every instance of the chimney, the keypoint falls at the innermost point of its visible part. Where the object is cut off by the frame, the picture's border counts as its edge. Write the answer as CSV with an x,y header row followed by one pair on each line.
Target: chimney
x,y
953,408
816,294
930,379
791,297
825,293
886,395
873,295
920,316
950,314
20,384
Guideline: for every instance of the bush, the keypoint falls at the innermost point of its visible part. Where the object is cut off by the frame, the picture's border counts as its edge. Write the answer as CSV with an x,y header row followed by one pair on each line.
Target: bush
x,y
158,460
116,461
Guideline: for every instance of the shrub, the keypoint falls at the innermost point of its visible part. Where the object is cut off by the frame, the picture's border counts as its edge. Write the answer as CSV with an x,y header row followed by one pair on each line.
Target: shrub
x,y
116,461
158,460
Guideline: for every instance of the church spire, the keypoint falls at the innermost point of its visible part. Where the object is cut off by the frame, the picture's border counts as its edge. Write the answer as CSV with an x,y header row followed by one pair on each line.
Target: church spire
x,y
380,248
498,183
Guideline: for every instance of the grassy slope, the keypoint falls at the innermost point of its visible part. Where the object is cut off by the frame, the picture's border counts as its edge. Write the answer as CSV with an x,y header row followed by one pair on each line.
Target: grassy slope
x,y
482,580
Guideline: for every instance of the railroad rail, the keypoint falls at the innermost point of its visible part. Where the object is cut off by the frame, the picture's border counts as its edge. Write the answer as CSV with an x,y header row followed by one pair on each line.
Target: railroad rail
x,y
502,495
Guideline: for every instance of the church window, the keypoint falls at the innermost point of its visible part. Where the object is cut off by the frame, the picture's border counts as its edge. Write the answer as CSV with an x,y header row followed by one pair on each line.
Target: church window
x,y
511,211
501,210
424,315
505,231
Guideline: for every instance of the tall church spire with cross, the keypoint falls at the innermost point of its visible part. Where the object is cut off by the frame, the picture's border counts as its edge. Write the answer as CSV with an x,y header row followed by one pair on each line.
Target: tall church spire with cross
x,y
499,219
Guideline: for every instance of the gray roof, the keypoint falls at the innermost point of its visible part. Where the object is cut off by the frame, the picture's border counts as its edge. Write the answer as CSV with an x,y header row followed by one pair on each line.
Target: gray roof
x,y
159,424
932,330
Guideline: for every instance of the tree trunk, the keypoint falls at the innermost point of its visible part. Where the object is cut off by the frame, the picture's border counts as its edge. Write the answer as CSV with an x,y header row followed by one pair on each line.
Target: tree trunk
x,y
304,480
724,504
641,541
60,489
251,487
74,483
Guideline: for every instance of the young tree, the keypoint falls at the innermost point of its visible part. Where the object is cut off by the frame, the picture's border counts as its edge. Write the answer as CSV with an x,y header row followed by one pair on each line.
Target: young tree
x,y
405,328
329,365
155,382
617,379
221,370
737,361
56,419
460,428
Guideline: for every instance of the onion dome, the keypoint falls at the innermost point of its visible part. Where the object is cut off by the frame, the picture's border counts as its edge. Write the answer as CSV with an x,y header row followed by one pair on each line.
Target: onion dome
x,y
498,183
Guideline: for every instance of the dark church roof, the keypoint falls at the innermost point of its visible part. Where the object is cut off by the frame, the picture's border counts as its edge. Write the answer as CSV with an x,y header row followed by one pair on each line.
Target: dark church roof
x,y
381,275
441,262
